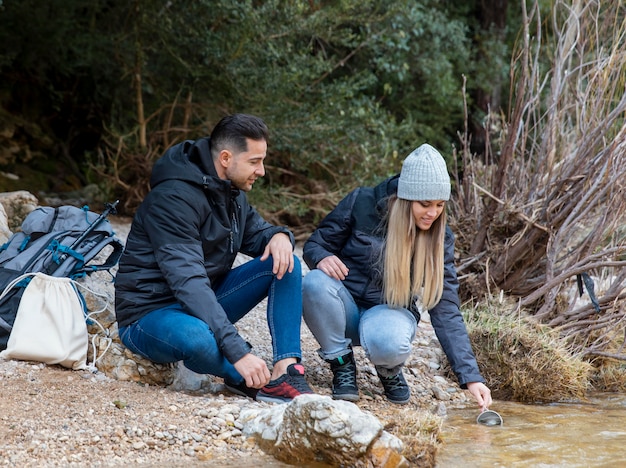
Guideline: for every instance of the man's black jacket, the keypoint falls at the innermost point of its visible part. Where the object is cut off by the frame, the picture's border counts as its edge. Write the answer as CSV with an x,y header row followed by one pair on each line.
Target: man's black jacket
x,y
184,238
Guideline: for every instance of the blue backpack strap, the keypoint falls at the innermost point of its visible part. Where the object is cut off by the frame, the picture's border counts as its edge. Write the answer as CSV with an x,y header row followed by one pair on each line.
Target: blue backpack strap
x,y
85,209
59,250
23,283
23,244
112,260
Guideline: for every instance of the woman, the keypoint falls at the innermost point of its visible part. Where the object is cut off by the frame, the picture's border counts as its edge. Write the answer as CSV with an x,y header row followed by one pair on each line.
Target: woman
x,y
381,255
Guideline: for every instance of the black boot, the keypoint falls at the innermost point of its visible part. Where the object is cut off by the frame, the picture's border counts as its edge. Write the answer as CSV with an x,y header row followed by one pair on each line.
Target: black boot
x,y
344,378
396,389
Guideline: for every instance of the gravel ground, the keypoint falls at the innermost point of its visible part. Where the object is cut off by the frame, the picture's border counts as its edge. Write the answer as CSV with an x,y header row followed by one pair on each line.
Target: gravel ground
x,y
52,416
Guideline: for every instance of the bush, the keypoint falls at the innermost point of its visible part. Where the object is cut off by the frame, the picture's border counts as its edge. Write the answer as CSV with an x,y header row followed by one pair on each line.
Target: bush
x,y
521,359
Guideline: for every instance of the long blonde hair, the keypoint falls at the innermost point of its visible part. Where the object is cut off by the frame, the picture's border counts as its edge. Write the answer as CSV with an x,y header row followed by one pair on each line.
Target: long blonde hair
x,y
412,258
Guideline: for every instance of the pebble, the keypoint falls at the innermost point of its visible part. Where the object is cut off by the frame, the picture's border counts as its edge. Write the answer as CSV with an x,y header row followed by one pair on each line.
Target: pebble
x,y
440,394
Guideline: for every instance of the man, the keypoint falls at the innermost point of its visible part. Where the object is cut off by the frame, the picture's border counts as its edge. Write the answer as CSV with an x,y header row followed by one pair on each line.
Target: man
x,y
176,293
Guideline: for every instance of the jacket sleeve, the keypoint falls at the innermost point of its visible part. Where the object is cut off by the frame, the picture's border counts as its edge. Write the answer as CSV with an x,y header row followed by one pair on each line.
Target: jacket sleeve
x,y
258,232
332,233
448,323
174,232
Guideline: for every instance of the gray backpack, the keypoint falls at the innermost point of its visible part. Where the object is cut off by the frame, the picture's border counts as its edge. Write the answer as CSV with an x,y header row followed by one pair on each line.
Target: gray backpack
x,y
62,241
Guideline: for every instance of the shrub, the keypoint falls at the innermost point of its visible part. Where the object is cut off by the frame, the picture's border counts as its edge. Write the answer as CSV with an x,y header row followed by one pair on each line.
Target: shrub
x,y
521,359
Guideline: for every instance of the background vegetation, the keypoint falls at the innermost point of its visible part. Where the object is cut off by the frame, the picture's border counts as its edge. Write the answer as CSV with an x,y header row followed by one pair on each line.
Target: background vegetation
x,y
348,88
525,99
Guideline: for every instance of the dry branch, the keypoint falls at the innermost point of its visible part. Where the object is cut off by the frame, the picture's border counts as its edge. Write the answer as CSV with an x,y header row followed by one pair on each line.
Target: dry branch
x,y
551,206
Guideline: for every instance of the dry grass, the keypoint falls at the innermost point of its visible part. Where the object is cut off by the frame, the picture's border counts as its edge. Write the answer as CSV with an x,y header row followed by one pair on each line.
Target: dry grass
x,y
522,360
609,376
420,431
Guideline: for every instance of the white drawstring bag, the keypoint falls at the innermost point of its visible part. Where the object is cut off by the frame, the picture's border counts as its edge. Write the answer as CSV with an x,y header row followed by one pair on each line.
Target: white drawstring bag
x,y
50,323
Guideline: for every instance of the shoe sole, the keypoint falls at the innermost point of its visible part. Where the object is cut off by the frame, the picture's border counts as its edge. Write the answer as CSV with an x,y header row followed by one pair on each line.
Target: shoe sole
x,y
400,402
237,392
347,397
276,399
272,399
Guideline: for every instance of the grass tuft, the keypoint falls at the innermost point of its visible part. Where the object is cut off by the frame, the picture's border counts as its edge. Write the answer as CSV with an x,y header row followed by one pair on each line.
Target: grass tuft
x,y
522,360
420,432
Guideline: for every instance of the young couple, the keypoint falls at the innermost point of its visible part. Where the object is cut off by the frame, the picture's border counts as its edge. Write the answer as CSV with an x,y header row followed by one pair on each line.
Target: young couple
x,y
378,257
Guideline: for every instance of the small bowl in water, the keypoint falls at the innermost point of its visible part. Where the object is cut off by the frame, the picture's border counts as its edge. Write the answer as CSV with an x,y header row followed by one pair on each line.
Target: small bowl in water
x,y
489,418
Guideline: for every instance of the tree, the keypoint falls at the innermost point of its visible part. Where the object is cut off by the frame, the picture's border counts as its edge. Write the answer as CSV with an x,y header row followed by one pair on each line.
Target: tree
x,y
347,87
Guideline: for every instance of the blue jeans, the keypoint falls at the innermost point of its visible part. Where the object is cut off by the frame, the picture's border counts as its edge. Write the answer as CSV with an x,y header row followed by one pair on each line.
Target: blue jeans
x,y
337,322
169,334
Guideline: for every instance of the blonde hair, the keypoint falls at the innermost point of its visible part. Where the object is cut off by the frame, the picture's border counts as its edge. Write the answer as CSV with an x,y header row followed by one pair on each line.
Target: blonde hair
x,y
412,259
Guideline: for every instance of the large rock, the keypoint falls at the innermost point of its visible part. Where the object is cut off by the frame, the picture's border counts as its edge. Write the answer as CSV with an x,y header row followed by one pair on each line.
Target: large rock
x,y
16,206
5,232
316,428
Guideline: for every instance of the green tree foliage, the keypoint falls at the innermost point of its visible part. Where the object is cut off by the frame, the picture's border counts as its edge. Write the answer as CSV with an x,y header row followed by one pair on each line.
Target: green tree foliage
x,y
348,87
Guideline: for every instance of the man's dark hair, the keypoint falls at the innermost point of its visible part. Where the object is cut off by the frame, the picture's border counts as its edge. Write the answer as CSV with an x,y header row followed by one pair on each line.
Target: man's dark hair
x,y
231,133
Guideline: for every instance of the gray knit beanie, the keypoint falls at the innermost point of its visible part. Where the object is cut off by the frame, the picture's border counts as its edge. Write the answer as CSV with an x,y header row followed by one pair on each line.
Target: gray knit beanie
x,y
424,176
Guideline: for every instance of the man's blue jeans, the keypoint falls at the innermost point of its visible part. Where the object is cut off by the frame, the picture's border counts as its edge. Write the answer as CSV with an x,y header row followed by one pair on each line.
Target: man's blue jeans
x,y
338,322
169,334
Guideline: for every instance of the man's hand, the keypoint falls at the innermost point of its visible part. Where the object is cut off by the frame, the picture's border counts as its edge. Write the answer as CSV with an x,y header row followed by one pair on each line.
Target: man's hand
x,y
281,250
481,394
333,267
254,370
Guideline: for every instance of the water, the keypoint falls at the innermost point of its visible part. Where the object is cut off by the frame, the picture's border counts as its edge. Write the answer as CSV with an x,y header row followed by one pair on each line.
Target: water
x,y
589,434
582,435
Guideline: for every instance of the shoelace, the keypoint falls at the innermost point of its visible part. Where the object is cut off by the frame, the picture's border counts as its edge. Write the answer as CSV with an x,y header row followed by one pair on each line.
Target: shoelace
x,y
393,383
346,375
299,383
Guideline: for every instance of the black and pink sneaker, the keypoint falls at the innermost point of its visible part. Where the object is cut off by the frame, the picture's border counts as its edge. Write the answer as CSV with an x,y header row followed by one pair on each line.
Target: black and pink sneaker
x,y
286,387
241,389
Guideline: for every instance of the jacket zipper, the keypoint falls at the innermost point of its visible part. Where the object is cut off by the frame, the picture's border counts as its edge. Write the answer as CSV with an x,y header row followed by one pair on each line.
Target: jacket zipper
x,y
234,229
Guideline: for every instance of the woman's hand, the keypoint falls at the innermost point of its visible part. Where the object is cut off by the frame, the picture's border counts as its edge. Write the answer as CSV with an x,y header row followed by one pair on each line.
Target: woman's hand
x,y
333,267
481,394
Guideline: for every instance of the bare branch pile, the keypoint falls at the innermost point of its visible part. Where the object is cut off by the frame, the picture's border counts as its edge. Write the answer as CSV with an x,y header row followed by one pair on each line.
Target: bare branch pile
x,y
546,209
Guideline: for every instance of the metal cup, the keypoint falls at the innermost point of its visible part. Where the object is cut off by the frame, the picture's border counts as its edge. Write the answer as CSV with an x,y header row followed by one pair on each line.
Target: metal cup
x,y
489,418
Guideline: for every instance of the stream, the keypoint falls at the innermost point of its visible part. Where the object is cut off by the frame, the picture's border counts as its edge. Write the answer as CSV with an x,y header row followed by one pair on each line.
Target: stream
x,y
587,434
590,434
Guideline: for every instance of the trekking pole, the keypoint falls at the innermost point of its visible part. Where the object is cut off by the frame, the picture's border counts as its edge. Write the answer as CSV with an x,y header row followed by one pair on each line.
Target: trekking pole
x,y
109,208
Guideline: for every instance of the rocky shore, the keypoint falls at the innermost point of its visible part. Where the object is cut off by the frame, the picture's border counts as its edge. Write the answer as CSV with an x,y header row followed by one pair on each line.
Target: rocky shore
x,y
52,416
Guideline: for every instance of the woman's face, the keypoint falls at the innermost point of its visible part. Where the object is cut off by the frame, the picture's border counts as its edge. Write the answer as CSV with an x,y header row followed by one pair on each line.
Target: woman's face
x,y
425,213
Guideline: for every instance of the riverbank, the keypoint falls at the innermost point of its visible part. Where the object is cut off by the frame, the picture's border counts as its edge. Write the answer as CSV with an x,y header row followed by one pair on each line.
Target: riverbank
x,y
52,416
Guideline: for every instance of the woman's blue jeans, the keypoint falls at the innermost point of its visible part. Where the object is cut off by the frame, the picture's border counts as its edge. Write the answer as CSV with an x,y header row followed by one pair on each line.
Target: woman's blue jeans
x,y
338,323
169,334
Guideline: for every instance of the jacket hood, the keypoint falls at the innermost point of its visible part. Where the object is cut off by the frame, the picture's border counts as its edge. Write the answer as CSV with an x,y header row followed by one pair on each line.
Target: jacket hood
x,y
384,190
189,161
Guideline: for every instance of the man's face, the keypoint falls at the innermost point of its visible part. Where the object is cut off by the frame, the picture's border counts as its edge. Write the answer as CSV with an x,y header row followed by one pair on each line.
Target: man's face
x,y
243,169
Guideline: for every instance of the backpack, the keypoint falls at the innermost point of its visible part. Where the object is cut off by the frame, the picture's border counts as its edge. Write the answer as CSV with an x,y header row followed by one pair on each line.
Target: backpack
x,y
60,242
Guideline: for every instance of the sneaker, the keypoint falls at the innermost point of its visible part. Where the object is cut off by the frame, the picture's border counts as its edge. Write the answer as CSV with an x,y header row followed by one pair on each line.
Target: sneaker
x,y
286,387
396,389
344,378
241,389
